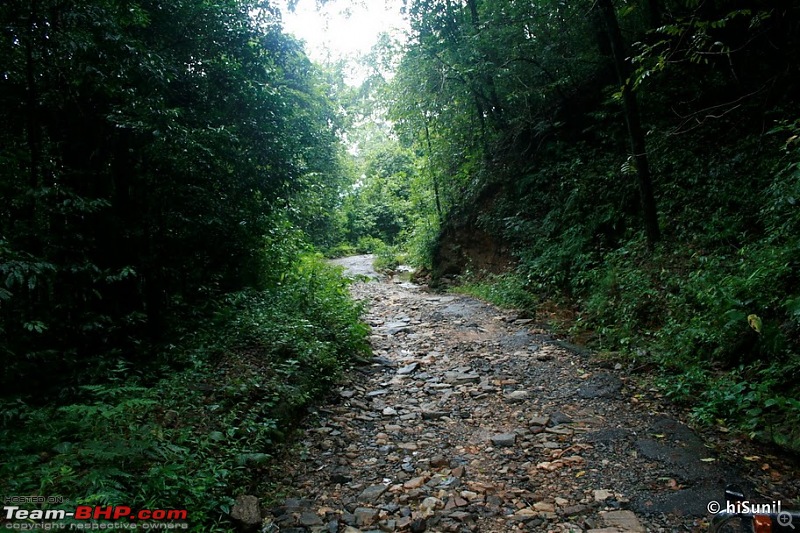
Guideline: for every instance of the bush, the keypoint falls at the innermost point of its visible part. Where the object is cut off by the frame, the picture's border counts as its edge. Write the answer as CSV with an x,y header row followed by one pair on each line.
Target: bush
x,y
189,440
504,290
387,259
369,245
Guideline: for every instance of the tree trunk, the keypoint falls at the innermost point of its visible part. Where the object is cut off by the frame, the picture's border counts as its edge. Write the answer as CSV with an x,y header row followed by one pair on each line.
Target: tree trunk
x,y
633,121
433,174
33,127
654,12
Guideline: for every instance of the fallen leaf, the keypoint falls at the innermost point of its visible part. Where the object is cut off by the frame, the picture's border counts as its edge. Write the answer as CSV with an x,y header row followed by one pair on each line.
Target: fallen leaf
x,y
752,458
708,459
580,474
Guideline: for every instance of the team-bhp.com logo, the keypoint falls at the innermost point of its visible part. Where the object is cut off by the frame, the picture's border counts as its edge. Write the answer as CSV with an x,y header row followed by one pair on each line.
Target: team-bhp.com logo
x,y
86,517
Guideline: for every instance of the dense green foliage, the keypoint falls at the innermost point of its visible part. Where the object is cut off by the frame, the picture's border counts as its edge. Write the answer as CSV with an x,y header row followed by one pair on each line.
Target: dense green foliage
x,y
166,167
527,132
196,439
142,162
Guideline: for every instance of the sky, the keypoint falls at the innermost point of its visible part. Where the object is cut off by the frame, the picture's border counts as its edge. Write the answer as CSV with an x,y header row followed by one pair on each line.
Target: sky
x,y
342,28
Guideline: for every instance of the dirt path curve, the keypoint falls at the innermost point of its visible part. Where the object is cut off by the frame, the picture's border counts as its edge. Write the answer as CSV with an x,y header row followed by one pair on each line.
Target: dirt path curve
x,y
471,419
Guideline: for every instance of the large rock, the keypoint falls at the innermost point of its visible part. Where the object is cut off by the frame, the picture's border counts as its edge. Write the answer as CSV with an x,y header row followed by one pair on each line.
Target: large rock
x,y
246,513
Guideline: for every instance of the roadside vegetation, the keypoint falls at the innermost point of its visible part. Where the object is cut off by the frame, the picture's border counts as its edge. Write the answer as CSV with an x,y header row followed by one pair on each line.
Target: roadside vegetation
x,y
173,174
168,171
639,162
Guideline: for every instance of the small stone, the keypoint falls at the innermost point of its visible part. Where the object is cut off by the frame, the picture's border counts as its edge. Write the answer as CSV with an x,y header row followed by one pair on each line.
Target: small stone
x,y
576,509
517,396
429,505
408,369
504,440
410,446
544,507
449,483
562,501
461,516
365,516
539,420
309,519
439,461
340,479
389,411
433,415
601,495
371,494
414,483
418,526
460,378
625,521
559,418
379,392
558,430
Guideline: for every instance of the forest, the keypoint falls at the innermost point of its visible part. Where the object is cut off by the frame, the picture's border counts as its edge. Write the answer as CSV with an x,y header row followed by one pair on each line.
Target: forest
x,y
175,173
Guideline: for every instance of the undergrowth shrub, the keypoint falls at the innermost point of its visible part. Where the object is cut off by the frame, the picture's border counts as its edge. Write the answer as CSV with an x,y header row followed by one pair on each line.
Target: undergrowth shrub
x,y
369,245
387,259
197,438
715,306
421,241
504,290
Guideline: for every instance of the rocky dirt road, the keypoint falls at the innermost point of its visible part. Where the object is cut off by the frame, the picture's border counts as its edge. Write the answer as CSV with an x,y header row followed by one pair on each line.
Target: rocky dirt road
x,y
472,419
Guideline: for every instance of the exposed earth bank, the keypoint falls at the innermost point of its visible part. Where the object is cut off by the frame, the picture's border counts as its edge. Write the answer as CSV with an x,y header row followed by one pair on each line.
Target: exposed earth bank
x,y
473,419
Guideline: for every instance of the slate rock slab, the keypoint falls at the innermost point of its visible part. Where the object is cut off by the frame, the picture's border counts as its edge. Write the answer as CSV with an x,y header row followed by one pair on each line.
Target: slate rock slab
x,y
600,386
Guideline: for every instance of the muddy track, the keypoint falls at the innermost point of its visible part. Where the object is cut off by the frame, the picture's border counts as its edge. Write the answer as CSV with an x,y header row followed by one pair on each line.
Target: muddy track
x,y
471,419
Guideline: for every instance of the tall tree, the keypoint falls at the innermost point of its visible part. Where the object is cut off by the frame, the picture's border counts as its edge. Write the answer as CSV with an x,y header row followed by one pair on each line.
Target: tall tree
x,y
159,141
638,145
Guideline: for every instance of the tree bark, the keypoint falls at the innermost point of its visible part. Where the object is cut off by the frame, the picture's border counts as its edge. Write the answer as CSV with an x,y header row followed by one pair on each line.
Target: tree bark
x,y
433,174
632,118
33,127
